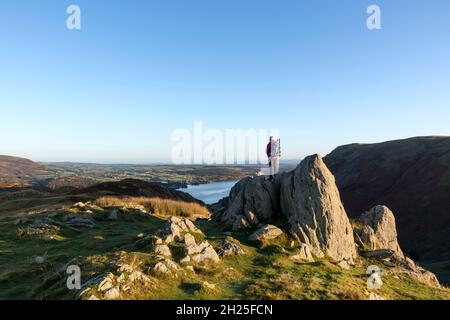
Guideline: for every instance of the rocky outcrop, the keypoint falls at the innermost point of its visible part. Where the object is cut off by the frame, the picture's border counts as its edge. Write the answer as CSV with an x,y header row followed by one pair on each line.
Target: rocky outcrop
x,y
199,253
308,199
376,235
166,267
118,283
311,203
376,229
252,199
176,227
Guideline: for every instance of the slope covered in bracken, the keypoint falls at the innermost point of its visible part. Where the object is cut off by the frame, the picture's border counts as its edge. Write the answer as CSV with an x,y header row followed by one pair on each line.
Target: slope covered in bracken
x,y
14,171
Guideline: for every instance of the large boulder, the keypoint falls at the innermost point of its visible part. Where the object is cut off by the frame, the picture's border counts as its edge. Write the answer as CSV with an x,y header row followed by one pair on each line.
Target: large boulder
x,y
311,202
265,233
251,200
376,229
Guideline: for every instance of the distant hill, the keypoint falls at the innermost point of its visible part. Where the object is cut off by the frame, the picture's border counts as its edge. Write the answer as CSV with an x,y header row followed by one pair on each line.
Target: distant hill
x,y
15,171
135,188
410,176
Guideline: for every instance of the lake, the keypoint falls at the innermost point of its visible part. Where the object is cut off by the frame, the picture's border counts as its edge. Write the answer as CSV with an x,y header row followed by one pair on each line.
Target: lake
x,y
210,193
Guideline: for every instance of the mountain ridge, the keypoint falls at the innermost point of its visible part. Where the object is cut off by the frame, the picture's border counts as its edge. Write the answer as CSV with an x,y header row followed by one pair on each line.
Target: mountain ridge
x,y
411,176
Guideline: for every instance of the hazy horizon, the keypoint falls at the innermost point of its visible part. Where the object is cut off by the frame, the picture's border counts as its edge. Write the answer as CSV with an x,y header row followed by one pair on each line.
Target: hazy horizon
x,y
115,91
168,163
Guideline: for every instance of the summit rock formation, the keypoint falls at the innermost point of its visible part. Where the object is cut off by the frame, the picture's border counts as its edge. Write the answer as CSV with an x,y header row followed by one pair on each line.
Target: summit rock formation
x,y
311,203
306,197
306,203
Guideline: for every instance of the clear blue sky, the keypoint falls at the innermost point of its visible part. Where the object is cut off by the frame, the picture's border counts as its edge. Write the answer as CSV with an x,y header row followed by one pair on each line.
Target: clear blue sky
x,y
115,90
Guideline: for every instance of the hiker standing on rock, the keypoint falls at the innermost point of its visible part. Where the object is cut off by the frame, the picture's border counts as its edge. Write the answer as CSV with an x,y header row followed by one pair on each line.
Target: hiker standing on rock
x,y
273,151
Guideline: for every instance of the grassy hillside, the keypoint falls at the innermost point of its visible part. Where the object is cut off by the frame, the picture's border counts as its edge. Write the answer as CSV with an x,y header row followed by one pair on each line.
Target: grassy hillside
x,y
15,171
263,272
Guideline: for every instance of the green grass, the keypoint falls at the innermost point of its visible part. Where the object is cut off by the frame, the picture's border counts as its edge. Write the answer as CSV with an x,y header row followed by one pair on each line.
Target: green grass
x,y
264,272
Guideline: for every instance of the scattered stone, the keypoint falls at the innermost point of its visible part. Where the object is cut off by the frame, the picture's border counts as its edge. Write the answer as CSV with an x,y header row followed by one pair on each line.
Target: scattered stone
x,y
79,205
166,267
112,294
190,268
266,232
139,277
185,260
208,287
171,264
125,268
39,260
37,229
229,247
199,253
163,250
206,254
161,268
107,283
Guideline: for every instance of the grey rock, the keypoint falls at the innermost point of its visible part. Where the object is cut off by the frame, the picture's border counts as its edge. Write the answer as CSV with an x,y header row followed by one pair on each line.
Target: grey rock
x,y
112,294
163,250
229,247
266,232
251,200
202,252
311,202
379,254
304,254
176,227
161,268
378,230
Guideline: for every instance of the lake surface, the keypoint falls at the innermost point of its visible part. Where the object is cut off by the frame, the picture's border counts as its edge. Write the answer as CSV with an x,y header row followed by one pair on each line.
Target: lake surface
x,y
211,192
